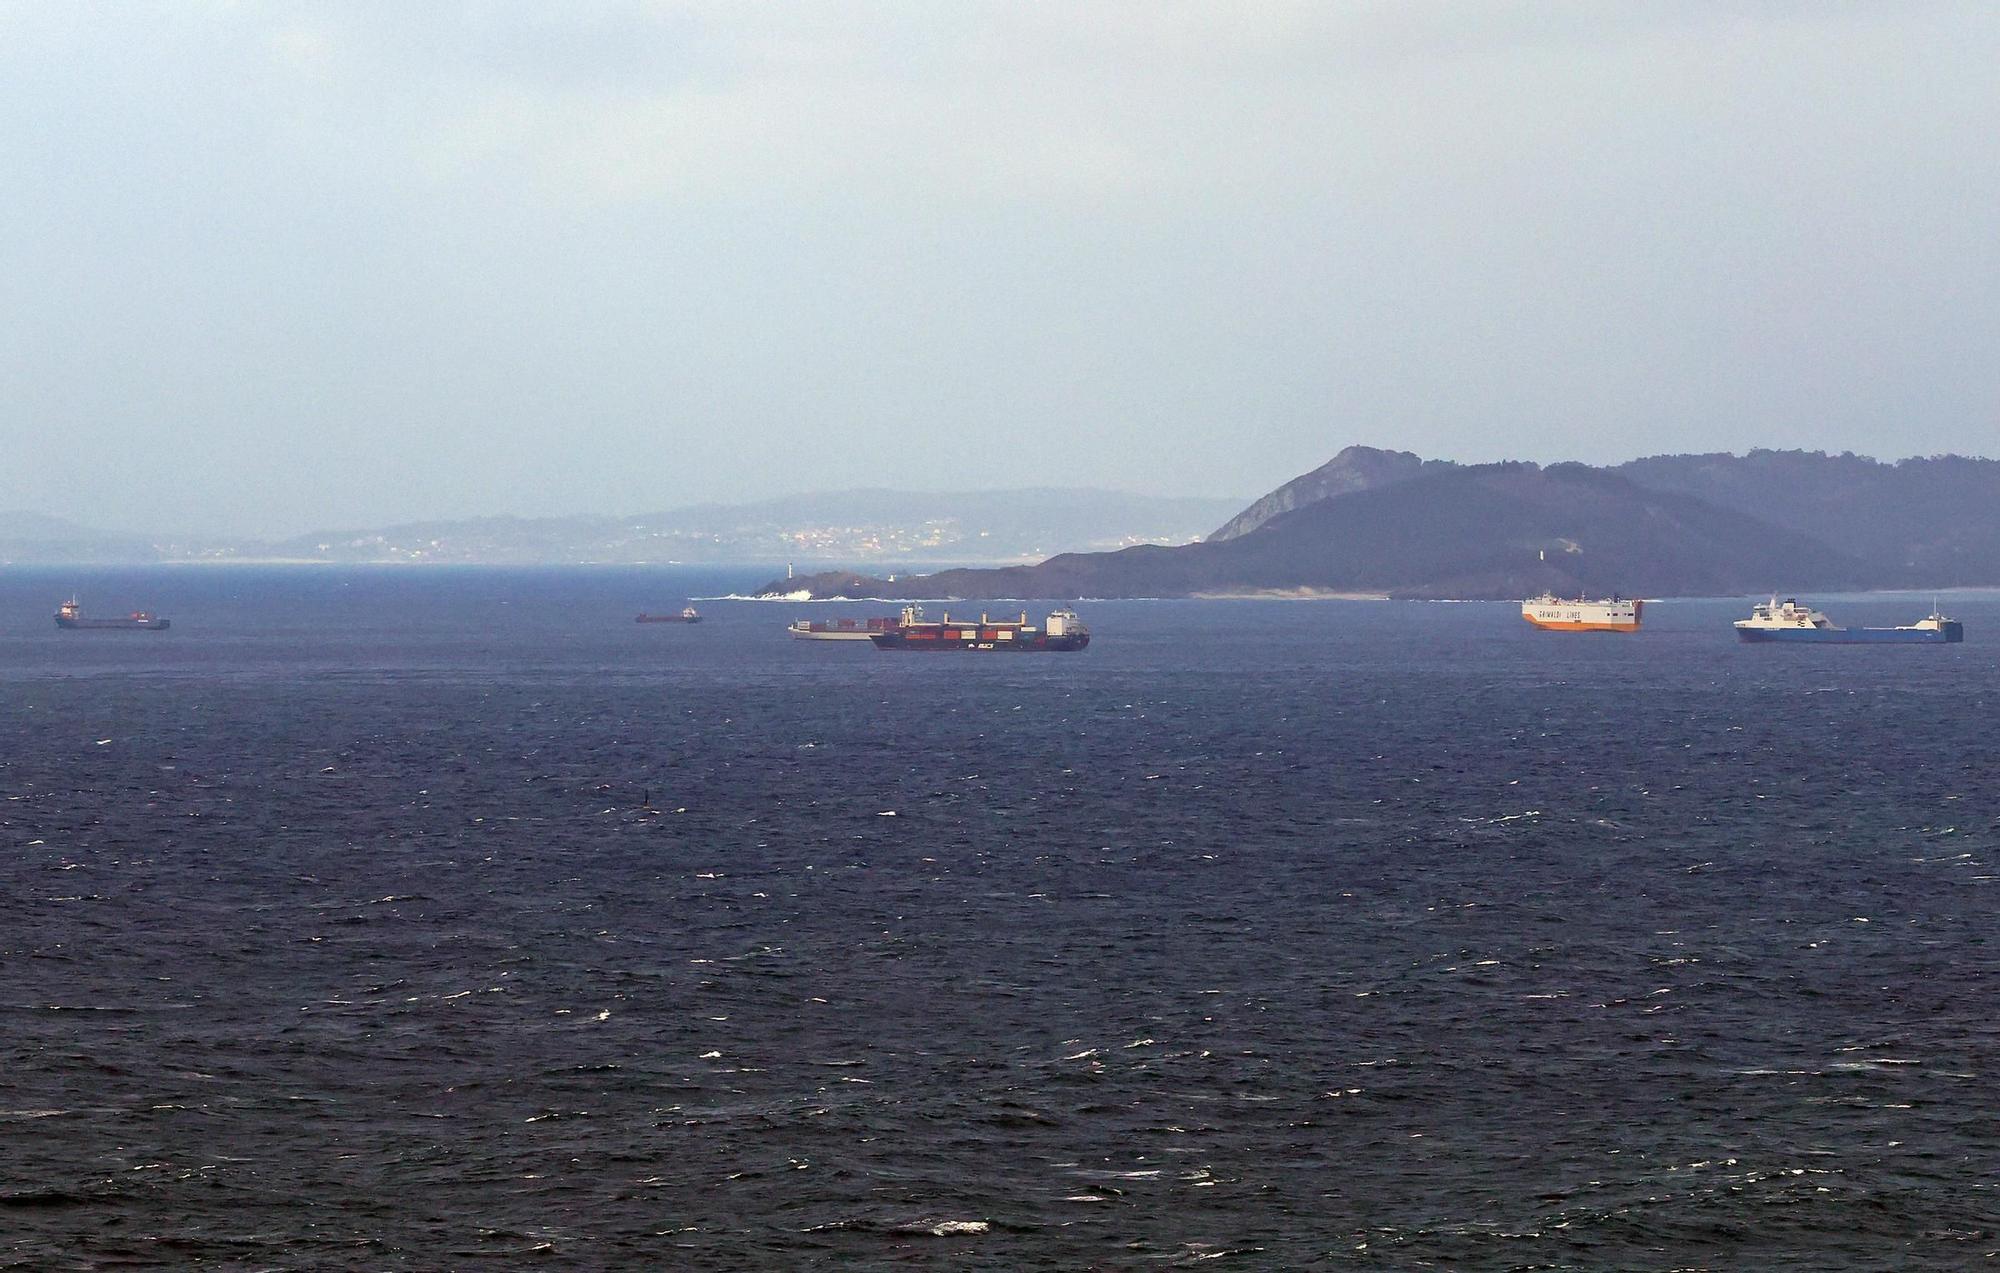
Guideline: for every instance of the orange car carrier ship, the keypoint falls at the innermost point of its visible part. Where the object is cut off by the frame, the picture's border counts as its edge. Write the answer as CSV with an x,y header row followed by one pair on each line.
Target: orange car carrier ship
x,y
1611,614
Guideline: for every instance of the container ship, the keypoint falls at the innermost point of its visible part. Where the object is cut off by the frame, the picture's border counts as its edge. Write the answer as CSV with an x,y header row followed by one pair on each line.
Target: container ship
x,y
1611,614
688,615
1787,620
1061,631
70,615
839,629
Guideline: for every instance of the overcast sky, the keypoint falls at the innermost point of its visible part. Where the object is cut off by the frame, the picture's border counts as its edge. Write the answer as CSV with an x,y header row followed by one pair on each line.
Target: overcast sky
x,y
269,267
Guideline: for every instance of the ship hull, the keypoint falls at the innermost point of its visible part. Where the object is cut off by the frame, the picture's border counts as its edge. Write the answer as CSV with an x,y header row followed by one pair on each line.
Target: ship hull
x,y
1947,634
1562,625
1041,643
830,636
114,625
665,618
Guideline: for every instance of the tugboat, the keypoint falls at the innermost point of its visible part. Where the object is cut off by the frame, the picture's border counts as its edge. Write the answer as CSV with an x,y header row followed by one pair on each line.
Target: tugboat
x,y
1774,620
838,629
1612,614
70,615
686,616
1061,631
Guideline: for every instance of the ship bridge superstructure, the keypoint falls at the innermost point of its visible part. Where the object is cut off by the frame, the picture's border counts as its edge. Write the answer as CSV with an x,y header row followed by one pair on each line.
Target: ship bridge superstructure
x,y
1784,614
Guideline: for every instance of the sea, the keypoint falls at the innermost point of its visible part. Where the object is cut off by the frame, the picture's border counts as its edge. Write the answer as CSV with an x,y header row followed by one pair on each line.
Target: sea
x,y
426,918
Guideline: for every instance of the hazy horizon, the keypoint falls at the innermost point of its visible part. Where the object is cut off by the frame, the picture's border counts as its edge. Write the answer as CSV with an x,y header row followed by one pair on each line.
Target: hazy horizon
x,y
281,267
700,505
691,507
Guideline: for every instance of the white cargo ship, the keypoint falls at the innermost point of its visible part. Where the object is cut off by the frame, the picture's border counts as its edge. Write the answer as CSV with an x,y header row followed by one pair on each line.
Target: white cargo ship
x,y
1774,620
1608,614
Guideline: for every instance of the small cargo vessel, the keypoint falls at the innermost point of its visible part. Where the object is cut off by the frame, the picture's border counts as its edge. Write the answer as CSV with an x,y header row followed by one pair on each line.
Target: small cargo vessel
x,y
838,629
1609,614
1061,631
1787,620
686,616
70,615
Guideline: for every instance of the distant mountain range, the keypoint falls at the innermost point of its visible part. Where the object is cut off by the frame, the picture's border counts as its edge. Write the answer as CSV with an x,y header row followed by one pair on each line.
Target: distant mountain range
x,y
899,527
1388,523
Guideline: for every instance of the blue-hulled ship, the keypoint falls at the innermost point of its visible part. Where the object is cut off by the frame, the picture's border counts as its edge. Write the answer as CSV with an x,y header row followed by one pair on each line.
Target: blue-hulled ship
x,y
1787,620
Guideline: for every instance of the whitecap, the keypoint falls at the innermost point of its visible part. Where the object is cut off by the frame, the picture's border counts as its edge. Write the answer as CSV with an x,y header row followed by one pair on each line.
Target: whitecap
x,y
946,1228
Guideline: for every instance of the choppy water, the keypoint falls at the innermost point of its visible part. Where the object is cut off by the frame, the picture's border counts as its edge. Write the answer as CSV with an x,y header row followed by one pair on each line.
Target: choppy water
x,y
446,919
